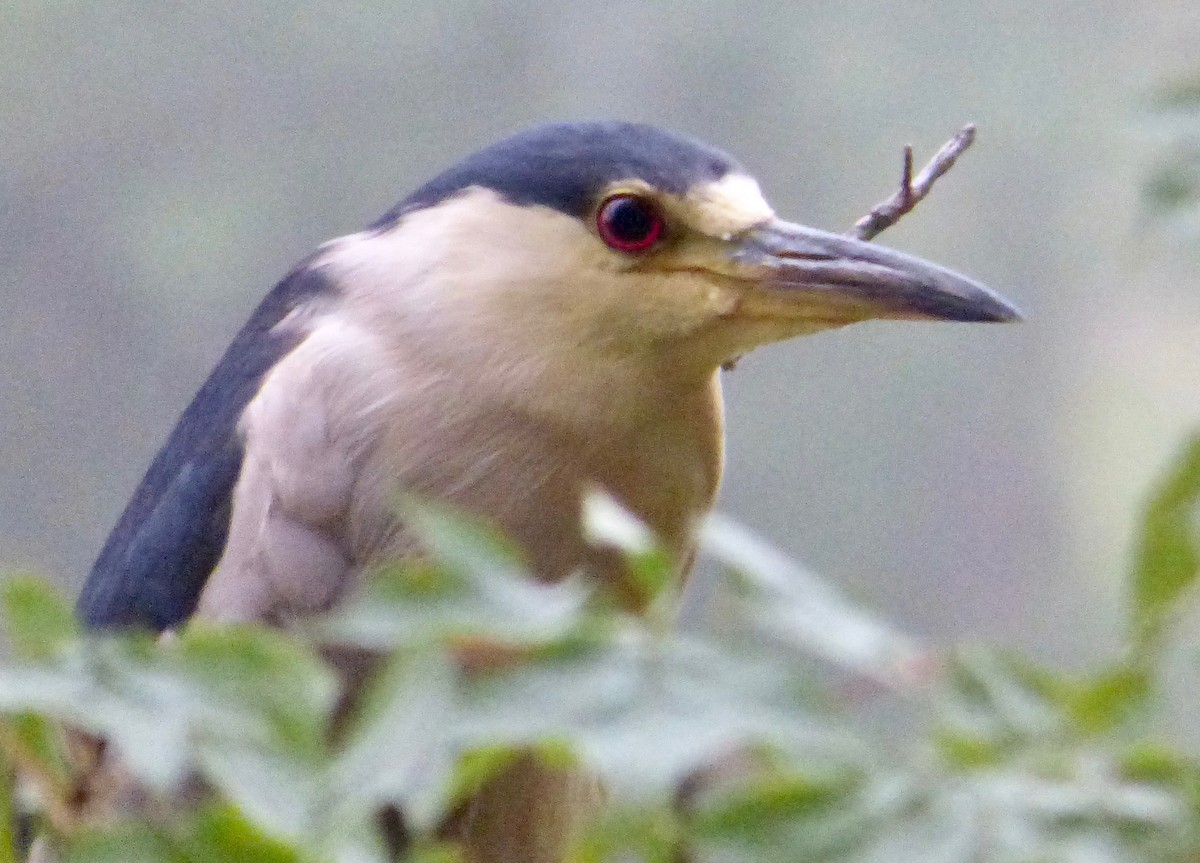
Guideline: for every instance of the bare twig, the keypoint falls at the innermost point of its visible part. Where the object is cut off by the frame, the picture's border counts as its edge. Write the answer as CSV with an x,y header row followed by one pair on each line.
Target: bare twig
x,y
912,191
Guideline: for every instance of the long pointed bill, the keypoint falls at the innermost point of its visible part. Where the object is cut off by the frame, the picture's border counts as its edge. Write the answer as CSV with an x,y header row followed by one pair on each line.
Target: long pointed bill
x,y
824,275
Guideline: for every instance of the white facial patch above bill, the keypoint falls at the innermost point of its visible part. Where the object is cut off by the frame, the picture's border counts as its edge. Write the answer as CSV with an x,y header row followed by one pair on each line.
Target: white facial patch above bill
x,y
727,206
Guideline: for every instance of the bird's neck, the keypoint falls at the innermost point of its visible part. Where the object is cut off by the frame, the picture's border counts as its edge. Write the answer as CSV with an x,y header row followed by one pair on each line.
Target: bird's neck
x,y
535,396
549,430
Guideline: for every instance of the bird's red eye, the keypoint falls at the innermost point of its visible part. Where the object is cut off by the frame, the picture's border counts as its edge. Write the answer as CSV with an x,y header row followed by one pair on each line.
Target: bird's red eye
x,y
629,223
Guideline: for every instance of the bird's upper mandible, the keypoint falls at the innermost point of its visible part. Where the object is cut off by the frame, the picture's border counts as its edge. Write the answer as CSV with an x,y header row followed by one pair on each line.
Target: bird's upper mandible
x,y
550,313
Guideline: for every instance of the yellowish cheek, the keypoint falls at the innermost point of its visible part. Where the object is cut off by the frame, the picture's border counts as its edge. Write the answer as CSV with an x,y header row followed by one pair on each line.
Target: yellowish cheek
x,y
677,306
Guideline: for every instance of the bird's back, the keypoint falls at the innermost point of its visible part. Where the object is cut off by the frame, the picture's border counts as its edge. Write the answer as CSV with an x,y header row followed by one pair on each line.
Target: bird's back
x,y
155,562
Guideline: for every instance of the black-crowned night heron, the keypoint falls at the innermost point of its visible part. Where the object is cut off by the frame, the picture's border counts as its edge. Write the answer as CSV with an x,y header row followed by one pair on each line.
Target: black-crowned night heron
x,y
553,312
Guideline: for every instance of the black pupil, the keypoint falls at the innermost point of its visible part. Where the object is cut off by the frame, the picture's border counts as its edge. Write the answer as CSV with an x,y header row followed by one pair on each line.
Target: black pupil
x,y
629,220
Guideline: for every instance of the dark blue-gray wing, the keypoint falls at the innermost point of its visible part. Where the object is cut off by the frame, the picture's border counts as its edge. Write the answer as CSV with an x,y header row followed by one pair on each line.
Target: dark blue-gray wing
x,y
157,559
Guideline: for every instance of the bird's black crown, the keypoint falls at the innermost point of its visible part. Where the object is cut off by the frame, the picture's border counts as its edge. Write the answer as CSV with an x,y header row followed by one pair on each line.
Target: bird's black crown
x,y
564,166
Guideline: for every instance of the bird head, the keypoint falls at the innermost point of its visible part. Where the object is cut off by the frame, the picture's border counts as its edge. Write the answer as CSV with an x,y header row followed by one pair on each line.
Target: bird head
x,y
603,241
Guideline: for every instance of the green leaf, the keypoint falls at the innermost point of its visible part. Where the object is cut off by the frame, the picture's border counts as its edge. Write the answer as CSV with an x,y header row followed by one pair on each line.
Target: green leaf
x,y
43,740
213,834
38,620
654,576
648,834
463,544
1108,701
252,682
418,605
963,750
1028,701
282,796
1173,186
607,522
1040,769
473,586
1001,701
505,595
1181,93
128,842
476,767
396,748
907,818
1167,560
89,687
8,810
438,853
220,834
646,710
782,600
783,817
1153,763
153,701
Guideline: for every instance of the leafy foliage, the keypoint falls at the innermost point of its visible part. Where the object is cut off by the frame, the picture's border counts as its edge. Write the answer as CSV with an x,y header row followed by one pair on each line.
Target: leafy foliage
x,y
754,740
1169,552
1171,190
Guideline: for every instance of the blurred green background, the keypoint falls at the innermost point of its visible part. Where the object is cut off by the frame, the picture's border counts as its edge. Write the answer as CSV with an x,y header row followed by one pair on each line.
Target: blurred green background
x,y
164,164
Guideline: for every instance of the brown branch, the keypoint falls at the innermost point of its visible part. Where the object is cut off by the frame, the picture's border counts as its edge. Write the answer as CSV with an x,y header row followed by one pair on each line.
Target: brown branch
x,y
912,191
